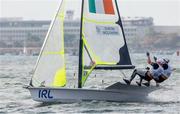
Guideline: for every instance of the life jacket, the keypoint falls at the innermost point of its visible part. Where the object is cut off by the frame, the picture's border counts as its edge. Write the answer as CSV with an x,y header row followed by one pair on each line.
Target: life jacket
x,y
160,79
156,71
148,77
167,70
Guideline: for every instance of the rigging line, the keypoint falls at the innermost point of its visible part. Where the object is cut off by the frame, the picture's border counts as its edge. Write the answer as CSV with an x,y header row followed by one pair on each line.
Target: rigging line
x,y
87,49
88,73
49,31
88,52
86,45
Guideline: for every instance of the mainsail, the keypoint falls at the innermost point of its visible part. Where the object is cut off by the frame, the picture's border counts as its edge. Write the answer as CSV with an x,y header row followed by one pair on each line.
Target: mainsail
x,y
50,68
103,44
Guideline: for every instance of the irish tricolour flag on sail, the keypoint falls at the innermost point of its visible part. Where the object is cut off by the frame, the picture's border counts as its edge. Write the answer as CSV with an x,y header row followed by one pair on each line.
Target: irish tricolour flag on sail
x,y
101,7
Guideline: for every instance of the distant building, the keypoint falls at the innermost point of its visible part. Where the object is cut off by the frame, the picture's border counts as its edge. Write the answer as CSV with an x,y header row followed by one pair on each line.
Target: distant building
x,y
136,27
11,19
72,27
20,30
133,27
72,35
167,29
18,33
69,15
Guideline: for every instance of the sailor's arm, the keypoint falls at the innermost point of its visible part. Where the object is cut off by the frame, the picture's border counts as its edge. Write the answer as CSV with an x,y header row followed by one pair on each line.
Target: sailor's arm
x,y
171,68
148,58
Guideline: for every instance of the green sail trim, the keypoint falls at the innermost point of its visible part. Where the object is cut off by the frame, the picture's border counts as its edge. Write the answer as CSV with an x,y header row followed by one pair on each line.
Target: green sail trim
x,y
92,7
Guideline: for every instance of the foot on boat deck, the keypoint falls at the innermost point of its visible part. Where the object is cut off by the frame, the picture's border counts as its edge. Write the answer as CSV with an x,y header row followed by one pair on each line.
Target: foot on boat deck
x,y
146,84
127,81
139,84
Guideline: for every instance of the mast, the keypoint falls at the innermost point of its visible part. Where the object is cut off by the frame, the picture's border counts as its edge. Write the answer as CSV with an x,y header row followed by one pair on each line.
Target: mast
x,y
120,22
80,49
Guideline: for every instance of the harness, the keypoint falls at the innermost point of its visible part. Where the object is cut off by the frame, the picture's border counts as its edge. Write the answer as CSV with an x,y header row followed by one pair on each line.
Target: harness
x,y
161,79
148,76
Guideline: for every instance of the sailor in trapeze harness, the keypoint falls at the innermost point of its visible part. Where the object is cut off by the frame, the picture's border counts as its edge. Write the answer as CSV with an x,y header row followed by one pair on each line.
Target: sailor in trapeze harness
x,y
160,71
167,70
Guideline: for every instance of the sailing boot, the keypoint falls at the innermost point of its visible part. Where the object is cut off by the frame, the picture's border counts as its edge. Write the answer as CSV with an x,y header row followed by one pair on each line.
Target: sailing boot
x,y
157,84
127,81
138,83
147,84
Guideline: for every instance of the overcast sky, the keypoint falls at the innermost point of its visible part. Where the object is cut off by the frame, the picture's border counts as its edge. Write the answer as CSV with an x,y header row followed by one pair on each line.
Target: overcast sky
x,y
164,12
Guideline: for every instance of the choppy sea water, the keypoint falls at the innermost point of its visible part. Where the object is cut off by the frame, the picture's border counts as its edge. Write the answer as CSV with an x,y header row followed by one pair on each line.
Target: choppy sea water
x,y
14,74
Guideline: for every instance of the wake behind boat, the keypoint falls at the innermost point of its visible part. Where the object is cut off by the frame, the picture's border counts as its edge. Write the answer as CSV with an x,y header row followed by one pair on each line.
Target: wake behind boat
x,y
102,46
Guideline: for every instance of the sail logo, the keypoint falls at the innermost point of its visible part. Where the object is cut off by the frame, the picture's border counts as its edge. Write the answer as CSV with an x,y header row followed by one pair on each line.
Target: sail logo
x,y
101,7
45,94
107,30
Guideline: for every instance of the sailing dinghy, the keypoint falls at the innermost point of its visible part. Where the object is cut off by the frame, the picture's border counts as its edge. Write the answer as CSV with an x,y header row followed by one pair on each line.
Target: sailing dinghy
x,y
102,47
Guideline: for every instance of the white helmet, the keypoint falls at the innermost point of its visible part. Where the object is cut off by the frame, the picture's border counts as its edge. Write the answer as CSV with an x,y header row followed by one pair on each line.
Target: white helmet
x,y
160,61
166,60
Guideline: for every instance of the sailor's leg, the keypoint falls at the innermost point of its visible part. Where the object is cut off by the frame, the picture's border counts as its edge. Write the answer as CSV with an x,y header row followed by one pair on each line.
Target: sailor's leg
x,y
149,82
148,78
139,83
140,80
157,84
141,73
132,77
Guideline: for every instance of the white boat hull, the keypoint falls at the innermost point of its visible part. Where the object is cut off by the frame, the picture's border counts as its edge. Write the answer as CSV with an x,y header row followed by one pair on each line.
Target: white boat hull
x,y
128,93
